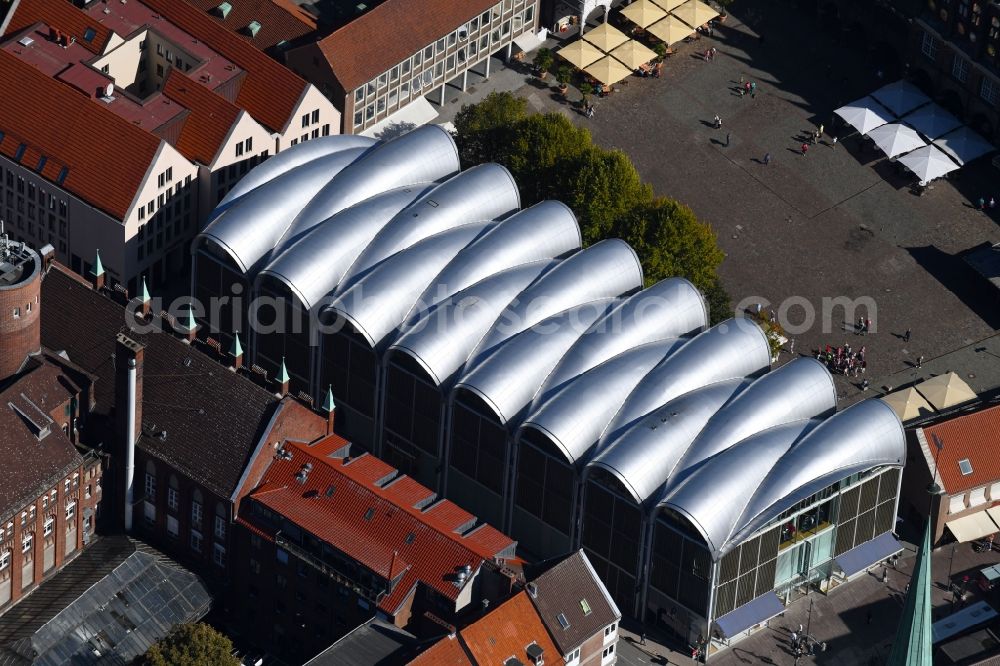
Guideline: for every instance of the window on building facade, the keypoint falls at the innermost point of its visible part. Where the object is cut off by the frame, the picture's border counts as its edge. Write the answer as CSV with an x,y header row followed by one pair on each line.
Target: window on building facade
x,y
960,68
173,496
929,46
305,120
196,508
220,522
248,144
359,95
989,90
4,560
150,481
326,130
48,525
239,149
70,512
196,541
26,542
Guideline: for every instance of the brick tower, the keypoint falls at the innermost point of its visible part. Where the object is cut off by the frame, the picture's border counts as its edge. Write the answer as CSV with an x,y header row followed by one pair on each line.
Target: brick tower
x,y
20,283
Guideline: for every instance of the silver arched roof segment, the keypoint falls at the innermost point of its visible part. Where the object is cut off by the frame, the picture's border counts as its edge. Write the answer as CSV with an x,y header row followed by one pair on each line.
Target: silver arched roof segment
x,y
249,227
314,265
607,269
801,389
575,414
670,308
508,378
865,435
378,302
290,158
734,349
644,456
422,155
547,230
715,494
442,338
480,194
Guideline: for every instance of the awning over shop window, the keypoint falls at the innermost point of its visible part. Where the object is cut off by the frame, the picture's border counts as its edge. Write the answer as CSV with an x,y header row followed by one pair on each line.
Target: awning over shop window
x,y
530,41
759,610
868,553
973,526
994,512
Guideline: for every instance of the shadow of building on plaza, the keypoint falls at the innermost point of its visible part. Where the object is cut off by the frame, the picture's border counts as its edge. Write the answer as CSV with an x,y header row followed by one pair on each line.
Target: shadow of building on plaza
x,y
956,276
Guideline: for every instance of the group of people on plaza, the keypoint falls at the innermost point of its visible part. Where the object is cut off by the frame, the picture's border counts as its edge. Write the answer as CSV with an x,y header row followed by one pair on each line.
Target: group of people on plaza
x,y
844,360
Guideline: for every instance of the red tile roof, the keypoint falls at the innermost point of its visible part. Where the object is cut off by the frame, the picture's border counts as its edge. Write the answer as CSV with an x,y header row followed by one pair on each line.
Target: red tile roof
x,y
381,541
502,633
375,41
269,92
973,436
73,131
63,15
280,21
207,126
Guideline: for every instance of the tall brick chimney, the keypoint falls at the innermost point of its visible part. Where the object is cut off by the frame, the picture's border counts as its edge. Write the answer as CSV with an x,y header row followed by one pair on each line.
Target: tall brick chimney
x,y
20,286
128,411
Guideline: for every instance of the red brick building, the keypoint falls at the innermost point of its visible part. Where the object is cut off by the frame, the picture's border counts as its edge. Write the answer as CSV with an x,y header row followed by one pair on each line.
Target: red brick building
x,y
332,540
50,484
204,432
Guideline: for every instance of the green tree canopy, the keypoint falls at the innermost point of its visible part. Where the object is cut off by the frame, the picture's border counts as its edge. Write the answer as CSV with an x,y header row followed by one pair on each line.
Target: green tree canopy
x,y
551,158
192,645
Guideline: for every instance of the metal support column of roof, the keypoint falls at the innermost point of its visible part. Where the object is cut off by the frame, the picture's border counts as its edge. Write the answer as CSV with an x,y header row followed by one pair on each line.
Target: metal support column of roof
x,y
913,643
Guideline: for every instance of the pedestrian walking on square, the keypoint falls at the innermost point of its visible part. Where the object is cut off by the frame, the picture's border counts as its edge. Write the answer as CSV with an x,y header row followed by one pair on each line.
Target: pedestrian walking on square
x,y
805,149
821,129
767,158
714,52
718,122
834,143
981,204
920,361
864,384
993,203
746,87
906,336
727,139
742,80
642,638
753,89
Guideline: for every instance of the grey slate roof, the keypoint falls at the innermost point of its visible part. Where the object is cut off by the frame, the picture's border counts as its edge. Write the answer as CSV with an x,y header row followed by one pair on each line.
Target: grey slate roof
x,y
374,643
561,589
107,606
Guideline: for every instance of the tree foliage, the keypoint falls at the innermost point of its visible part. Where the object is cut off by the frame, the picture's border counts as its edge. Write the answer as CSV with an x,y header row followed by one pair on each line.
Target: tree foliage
x,y
192,645
551,158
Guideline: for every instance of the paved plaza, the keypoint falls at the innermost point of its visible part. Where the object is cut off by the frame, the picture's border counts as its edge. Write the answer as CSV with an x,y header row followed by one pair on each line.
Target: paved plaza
x,y
837,222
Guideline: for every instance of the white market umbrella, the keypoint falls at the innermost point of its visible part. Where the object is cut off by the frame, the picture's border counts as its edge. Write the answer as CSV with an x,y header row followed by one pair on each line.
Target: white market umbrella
x,y
667,5
932,121
896,139
864,114
643,13
605,37
670,30
908,404
633,54
928,163
946,390
900,97
580,53
964,145
607,70
694,13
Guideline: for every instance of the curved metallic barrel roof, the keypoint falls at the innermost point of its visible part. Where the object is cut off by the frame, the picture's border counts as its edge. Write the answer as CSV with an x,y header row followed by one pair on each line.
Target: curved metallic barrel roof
x,y
377,303
442,338
715,494
863,436
734,349
508,377
576,413
248,228
480,194
314,266
644,456
801,389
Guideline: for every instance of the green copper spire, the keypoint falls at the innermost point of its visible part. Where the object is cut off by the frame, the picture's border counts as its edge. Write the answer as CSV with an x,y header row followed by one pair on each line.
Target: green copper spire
x,y
236,350
145,291
913,643
328,405
283,378
189,323
98,269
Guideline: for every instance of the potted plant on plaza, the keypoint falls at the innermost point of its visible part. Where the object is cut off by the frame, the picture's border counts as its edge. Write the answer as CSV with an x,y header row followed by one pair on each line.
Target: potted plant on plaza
x,y
660,49
543,62
563,76
586,90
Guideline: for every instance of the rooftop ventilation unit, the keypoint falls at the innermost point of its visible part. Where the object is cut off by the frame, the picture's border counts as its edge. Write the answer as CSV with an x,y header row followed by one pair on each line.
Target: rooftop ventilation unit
x,y
222,10
26,41
253,28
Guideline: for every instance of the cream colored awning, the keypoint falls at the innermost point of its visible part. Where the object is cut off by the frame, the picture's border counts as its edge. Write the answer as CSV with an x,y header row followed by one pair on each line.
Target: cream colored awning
x,y
580,53
607,70
972,527
633,54
946,390
908,404
605,37
671,30
695,13
994,512
667,5
643,13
